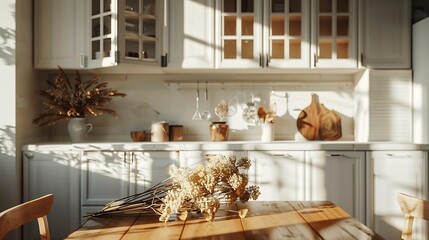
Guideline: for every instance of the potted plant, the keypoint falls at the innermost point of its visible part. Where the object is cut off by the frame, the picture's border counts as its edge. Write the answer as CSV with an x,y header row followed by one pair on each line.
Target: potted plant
x,y
74,101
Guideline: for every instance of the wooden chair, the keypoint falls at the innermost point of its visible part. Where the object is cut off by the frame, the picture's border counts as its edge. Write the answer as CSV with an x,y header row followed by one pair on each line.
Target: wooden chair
x,y
412,207
19,215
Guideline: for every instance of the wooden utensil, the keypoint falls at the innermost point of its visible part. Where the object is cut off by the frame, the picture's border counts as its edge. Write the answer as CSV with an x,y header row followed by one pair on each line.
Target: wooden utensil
x,y
308,120
329,124
316,122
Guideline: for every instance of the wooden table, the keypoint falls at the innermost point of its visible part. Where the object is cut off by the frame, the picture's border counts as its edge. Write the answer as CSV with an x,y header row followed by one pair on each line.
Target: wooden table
x,y
265,220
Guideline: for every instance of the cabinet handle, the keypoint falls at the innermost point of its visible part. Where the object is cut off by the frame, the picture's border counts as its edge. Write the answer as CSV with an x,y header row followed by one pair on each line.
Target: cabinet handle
x,y
29,155
315,59
164,60
282,155
336,155
82,60
260,60
267,59
361,59
398,155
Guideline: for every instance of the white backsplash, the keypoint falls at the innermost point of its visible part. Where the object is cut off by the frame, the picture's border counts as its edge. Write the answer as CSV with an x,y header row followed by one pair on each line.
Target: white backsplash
x,y
145,97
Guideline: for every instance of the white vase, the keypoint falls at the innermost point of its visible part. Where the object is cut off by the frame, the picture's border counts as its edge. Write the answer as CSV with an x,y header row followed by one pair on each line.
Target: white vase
x,y
267,132
78,129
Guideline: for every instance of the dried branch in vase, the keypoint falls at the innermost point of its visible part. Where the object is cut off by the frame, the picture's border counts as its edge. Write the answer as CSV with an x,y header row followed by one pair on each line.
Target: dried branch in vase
x,y
200,189
64,99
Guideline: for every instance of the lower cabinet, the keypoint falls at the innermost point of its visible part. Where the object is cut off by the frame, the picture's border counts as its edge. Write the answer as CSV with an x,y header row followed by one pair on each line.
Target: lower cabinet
x,y
55,172
311,175
110,175
280,175
390,172
338,177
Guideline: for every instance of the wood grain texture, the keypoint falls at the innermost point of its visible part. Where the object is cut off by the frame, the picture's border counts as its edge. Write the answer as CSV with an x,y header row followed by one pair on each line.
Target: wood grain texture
x,y
316,122
308,119
265,220
332,222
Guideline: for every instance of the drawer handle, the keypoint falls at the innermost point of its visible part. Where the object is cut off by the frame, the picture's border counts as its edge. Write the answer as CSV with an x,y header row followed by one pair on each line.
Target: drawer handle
x,y
282,155
336,155
398,155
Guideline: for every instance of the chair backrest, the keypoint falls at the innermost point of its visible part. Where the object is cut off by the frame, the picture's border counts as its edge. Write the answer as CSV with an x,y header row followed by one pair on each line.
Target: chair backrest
x,y
19,215
412,207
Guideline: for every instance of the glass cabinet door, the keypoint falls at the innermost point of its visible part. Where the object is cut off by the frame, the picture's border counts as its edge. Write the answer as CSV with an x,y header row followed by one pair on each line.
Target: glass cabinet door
x,y
288,33
240,33
336,34
103,32
140,32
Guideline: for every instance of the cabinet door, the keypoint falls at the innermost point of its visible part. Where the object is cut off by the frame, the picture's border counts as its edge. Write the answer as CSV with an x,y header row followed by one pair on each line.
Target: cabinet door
x,y
338,177
140,31
59,34
105,177
387,34
239,34
279,175
334,33
391,172
57,173
102,33
287,33
151,168
191,34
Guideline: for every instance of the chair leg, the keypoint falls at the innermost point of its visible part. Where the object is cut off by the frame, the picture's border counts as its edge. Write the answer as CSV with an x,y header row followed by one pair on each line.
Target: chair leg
x,y
44,228
408,227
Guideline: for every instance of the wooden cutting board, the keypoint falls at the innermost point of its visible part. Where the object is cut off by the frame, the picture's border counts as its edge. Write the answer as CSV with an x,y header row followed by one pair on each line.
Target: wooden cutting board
x,y
308,119
316,122
329,124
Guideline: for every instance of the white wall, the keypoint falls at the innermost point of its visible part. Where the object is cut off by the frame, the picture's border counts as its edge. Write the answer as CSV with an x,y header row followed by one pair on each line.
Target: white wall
x,y
9,187
178,105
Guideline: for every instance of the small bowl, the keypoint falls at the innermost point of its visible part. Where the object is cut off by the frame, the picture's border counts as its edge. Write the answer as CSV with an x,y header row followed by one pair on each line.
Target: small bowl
x,y
138,136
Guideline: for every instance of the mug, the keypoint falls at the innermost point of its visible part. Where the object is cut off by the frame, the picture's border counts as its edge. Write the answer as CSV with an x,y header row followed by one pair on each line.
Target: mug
x,y
159,132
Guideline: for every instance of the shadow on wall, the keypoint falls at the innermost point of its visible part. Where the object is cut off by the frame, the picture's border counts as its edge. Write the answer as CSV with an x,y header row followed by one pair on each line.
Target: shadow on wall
x,y
7,52
7,162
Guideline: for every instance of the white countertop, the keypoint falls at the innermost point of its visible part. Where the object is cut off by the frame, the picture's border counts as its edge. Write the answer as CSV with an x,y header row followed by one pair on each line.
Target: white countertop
x,y
228,145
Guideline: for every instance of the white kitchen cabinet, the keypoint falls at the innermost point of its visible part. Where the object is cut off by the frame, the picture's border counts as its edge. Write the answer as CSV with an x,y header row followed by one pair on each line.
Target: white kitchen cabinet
x,y
111,175
59,34
191,34
280,175
387,34
338,177
259,34
124,32
106,176
390,172
279,34
334,33
55,172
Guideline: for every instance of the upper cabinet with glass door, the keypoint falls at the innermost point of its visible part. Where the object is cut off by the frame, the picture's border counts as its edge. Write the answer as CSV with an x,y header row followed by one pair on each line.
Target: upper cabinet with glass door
x,y
124,31
286,44
239,34
260,34
334,34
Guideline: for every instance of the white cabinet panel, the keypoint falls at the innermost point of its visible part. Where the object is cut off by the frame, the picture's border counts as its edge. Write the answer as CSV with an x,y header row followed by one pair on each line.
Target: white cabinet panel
x,y
279,174
59,34
389,173
338,177
151,168
387,34
57,173
105,177
191,34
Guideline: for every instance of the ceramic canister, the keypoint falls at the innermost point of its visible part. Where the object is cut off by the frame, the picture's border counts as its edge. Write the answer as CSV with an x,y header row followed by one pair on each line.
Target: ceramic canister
x,y
159,132
176,132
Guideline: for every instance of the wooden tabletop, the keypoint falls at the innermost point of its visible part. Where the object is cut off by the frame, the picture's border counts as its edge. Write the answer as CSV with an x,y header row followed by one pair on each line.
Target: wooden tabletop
x,y
265,220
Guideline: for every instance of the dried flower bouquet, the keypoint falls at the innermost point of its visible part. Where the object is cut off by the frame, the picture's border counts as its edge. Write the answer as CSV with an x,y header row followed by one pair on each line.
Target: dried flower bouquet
x,y
201,189
64,100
